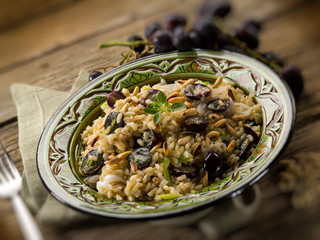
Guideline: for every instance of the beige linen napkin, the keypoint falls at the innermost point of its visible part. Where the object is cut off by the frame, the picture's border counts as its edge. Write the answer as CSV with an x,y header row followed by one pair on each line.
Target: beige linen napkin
x,y
35,106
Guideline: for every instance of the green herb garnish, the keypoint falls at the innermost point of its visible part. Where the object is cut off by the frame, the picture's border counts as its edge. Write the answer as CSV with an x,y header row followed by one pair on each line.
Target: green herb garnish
x,y
166,173
161,105
185,157
169,196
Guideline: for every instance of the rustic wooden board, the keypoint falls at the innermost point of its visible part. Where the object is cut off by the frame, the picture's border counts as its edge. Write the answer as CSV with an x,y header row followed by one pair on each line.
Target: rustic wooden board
x,y
49,49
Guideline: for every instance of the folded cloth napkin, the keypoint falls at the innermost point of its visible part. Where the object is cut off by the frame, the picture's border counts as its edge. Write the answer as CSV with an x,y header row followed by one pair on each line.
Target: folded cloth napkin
x,y
35,106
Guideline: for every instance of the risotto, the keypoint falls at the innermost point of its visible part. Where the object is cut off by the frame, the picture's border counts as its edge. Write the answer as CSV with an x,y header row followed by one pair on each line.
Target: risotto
x,y
168,140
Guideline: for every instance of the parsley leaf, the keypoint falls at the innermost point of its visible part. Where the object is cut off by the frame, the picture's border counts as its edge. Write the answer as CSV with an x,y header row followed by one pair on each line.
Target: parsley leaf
x,y
161,105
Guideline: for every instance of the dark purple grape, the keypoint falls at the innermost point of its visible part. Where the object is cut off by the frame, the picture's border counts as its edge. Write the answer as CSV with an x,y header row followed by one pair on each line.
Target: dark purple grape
x,y
212,164
188,170
92,163
112,121
141,156
252,25
151,95
212,9
113,97
181,39
249,38
223,39
162,41
150,138
219,105
196,123
138,48
233,48
273,58
293,76
94,75
196,91
222,9
172,21
206,29
250,131
196,40
151,29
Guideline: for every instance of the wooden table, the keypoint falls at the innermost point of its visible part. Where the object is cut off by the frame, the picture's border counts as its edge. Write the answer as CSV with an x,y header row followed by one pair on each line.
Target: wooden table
x,y
46,43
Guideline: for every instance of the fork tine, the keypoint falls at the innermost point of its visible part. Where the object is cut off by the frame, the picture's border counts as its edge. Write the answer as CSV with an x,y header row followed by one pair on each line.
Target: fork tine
x,y
2,179
5,172
13,168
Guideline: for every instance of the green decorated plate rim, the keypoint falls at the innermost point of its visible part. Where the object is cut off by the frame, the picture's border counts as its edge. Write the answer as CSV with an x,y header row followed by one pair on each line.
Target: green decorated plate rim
x,y
61,189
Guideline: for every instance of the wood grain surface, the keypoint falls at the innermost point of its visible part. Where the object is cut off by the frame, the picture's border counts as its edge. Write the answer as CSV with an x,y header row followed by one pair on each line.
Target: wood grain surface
x,y
46,43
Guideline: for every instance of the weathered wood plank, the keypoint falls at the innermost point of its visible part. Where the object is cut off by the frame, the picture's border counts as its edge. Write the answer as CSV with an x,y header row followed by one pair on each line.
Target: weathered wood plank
x,y
80,21
13,13
58,29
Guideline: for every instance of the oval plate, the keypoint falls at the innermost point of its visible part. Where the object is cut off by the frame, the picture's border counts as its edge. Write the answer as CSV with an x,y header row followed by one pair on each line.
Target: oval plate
x,y
58,147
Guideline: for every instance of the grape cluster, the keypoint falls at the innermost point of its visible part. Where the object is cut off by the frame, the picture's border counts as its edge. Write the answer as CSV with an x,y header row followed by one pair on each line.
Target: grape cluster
x,y
208,32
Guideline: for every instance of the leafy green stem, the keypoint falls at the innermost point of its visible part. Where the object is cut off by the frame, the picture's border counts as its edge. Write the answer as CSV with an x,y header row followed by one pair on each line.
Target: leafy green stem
x,y
125,44
161,105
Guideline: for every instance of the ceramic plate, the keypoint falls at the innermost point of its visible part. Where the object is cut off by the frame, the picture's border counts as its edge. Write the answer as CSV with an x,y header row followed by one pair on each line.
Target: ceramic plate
x,y
59,145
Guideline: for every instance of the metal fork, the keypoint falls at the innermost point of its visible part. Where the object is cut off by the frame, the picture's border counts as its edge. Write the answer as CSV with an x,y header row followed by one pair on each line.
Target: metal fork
x,y
10,186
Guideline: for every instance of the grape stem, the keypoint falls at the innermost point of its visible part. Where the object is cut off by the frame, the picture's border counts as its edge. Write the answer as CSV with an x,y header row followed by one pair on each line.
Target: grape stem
x,y
125,44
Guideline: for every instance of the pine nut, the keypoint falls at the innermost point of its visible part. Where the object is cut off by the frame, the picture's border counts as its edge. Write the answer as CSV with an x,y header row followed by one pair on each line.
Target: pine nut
x,y
190,111
184,140
174,94
237,117
120,145
213,134
196,149
230,94
188,104
124,155
176,99
165,148
215,116
231,145
218,82
230,129
134,166
135,91
126,92
114,161
155,148
190,81
220,122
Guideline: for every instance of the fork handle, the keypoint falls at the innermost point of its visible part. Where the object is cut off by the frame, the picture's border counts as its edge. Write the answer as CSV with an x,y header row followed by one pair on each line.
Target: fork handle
x,y
28,226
